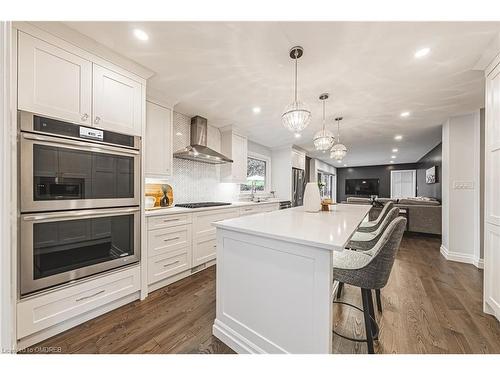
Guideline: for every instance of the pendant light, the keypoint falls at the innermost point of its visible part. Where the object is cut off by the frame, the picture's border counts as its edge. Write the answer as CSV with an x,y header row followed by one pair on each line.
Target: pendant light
x,y
323,140
297,115
338,150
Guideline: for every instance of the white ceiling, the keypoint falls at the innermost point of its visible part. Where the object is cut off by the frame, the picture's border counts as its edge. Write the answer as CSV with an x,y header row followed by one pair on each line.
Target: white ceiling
x,y
220,70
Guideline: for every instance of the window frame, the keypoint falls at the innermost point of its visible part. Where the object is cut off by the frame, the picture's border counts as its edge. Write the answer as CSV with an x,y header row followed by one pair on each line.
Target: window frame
x,y
268,184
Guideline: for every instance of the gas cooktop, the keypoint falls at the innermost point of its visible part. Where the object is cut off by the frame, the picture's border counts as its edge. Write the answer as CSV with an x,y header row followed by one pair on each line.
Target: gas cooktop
x,y
202,204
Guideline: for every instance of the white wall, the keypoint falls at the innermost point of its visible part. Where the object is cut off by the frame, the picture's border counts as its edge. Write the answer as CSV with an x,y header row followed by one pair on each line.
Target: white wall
x,y
461,188
281,161
259,149
316,166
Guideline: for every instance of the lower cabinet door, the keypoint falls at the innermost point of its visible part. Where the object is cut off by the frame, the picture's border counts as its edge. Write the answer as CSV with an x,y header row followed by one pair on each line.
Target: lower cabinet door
x,y
165,265
204,250
39,312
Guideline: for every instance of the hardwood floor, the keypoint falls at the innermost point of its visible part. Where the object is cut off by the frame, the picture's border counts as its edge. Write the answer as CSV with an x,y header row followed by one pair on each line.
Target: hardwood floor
x,y
430,306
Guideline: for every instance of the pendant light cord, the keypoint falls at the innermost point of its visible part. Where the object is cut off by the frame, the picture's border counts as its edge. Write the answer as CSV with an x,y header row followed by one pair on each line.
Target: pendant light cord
x,y
324,116
338,131
296,58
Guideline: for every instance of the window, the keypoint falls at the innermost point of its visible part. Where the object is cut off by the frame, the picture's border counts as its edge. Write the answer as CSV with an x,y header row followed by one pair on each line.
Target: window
x,y
403,184
258,173
325,181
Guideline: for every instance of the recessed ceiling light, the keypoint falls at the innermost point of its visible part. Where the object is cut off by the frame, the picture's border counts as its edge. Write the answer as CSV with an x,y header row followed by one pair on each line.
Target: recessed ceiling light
x,y
393,157
422,52
394,150
339,161
398,137
392,161
178,133
345,165
298,135
141,35
405,114
256,109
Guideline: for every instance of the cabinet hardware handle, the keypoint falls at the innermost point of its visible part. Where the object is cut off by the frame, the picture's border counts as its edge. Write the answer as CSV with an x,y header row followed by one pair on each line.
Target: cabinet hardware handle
x,y
171,238
171,264
85,117
92,295
167,220
97,119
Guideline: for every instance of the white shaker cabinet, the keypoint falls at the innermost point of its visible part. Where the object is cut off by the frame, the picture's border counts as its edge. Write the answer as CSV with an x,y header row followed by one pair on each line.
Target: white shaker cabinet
x,y
53,82
117,102
235,147
158,145
492,198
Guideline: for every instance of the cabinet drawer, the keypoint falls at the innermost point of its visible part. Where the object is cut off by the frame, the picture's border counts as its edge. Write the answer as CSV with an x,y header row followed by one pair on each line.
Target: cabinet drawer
x,y
204,251
202,222
161,241
244,211
44,311
166,265
269,207
166,221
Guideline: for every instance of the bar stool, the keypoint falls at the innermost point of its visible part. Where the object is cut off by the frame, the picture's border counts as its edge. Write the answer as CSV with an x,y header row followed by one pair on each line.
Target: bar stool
x,y
369,270
365,241
370,226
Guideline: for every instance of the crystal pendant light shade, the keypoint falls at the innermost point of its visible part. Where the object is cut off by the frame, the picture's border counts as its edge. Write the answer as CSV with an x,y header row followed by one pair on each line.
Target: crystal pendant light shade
x,y
323,139
297,115
338,151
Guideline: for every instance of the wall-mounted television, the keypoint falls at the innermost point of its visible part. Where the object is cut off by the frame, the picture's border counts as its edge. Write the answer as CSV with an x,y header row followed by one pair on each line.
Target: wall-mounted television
x,y
362,186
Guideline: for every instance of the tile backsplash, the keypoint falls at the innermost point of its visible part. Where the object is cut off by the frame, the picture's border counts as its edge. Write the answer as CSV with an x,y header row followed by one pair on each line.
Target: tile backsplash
x,y
193,181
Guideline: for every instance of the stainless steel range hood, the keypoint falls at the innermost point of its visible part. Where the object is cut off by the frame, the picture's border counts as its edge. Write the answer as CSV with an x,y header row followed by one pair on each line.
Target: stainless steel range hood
x,y
198,149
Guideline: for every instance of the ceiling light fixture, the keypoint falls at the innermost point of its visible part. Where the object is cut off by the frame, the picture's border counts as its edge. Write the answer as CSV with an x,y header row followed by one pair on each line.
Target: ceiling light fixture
x,y
256,109
405,114
338,150
398,137
298,135
422,52
178,134
394,150
392,161
323,139
393,156
141,35
297,115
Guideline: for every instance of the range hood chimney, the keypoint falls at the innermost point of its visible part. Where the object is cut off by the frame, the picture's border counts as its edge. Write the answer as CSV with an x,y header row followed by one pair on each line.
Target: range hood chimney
x,y
198,150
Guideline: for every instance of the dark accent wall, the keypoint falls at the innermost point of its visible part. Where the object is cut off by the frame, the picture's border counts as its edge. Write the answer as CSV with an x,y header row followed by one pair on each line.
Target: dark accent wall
x,y
433,158
383,173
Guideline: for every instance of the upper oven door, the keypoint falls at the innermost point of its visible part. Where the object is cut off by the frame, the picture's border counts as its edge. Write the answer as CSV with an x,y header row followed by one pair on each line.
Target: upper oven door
x,y
65,174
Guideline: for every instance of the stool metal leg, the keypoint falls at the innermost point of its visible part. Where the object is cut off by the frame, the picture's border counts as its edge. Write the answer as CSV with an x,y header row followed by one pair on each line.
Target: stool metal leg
x,y
339,290
379,300
366,296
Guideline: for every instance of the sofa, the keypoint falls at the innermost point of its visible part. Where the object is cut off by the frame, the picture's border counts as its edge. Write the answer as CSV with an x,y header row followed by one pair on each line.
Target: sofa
x,y
423,214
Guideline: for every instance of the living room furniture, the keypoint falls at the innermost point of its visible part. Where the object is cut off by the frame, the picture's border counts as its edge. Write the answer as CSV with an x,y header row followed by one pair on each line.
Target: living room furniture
x,y
423,214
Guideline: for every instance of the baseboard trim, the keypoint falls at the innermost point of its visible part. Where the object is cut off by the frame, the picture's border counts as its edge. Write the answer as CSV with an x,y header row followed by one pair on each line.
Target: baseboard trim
x,y
234,340
460,257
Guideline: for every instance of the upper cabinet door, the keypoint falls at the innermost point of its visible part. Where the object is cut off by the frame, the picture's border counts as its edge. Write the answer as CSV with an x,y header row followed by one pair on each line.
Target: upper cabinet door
x,y
117,102
158,141
53,82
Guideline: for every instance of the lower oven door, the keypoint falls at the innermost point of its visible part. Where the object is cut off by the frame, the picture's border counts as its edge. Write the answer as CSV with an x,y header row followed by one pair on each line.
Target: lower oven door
x,y
59,247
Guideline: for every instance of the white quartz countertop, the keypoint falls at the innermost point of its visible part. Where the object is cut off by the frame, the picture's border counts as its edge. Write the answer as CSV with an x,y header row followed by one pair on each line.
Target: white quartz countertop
x,y
325,229
179,210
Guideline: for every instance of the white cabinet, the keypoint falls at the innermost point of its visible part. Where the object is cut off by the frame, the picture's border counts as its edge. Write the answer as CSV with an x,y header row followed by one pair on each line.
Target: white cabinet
x,y
235,147
492,198
59,83
117,102
158,143
53,82
204,244
46,310
298,159
258,209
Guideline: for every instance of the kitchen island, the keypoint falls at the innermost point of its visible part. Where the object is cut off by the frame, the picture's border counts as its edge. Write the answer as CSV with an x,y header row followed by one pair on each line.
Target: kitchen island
x,y
274,278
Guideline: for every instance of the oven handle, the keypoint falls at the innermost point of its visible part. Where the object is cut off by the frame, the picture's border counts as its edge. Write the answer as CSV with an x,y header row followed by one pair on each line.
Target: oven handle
x,y
84,146
79,214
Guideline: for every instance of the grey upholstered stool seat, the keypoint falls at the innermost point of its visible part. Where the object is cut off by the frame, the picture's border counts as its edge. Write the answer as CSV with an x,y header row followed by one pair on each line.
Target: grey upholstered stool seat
x,y
365,241
370,226
370,270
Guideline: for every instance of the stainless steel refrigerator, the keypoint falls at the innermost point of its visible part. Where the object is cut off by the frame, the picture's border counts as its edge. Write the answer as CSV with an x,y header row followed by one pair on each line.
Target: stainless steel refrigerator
x,y
298,186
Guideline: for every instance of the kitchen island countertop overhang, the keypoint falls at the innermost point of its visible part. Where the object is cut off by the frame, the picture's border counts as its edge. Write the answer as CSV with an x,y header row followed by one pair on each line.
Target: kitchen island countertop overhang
x,y
329,230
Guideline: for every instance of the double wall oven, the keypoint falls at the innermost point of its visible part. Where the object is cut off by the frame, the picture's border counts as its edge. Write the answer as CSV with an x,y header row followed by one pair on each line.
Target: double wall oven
x,y
79,199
